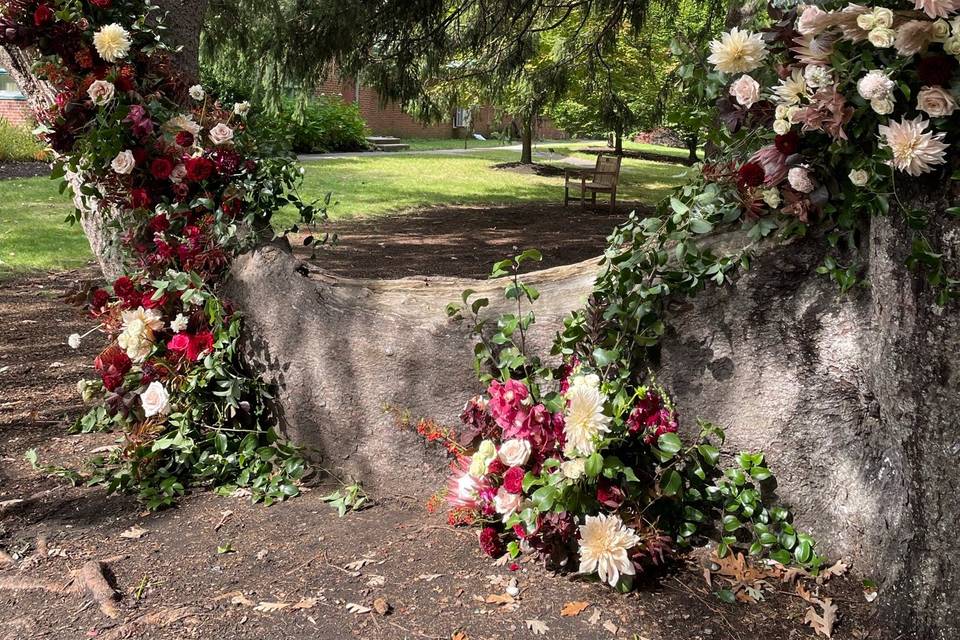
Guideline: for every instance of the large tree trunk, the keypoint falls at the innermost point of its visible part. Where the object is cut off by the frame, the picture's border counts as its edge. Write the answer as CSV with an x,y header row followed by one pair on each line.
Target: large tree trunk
x,y
526,140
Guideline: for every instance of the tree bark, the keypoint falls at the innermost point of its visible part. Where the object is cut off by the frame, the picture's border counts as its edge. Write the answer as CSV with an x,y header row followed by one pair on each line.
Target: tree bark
x,y
618,140
526,152
693,141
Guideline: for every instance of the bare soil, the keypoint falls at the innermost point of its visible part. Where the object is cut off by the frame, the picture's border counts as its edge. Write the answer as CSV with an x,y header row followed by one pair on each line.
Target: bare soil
x,y
639,155
11,170
173,583
461,241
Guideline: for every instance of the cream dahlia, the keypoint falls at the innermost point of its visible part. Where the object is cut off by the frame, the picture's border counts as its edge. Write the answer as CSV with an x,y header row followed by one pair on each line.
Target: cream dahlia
x,y
792,88
137,337
737,52
937,8
915,150
112,42
584,419
604,545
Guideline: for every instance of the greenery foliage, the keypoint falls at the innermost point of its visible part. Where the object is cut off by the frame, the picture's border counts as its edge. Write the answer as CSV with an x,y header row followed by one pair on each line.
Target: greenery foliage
x,y
18,144
317,125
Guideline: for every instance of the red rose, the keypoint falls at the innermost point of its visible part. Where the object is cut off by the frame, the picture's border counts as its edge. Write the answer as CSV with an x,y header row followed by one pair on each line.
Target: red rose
x,y
609,494
112,365
496,467
184,139
788,143
139,198
490,542
99,300
513,479
198,169
103,4
43,15
750,174
161,168
181,191
147,302
200,344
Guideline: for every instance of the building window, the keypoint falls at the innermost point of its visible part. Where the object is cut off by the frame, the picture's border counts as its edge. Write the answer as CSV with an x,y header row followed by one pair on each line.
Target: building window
x,y
461,118
8,88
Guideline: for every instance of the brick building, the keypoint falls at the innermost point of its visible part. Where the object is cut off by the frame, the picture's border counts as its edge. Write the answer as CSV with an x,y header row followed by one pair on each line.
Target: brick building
x,y
13,105
391,120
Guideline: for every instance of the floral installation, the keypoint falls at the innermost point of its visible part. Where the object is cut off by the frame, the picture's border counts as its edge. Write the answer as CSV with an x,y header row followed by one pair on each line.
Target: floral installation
x,y
181,182
583,469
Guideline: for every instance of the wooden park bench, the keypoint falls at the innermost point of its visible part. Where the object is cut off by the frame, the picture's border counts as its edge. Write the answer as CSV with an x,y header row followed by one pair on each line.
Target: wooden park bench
x,y
603,179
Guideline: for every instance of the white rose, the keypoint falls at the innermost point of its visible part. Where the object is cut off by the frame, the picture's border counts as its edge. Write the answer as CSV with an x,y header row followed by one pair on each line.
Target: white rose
x,y
882,106
197,92
866,21
179,323
780,112
221,134
505,503
101,92
573,469
936,102
241,108
178,174
74,341
882,38
952,45
745,90
792,111
941,30
781,127
799,179
882,18
155,400
859,177
123,163
771,197
182,122
514,453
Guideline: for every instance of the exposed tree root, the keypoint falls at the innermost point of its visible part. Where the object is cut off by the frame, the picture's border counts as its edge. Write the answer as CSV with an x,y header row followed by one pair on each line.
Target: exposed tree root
x,y
92,577
154,619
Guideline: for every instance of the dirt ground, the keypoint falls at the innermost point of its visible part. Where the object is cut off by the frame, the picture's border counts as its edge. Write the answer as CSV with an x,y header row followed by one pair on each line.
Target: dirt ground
x,y
294,570
10,170
461,241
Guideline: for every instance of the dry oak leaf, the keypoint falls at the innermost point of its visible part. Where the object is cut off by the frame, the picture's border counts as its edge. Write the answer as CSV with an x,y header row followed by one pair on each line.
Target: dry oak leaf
x,y
573,608
537,627
357,564
499,598
270,607
305,603
612,628
459,635
353,607
837,569
134,533
822,624
594,617
242,600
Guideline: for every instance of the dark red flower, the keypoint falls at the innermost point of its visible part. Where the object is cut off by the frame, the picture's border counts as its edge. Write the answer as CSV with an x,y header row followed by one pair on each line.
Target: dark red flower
x,y
750,174
198,169
139,155
936,70
513,479
490,542
123,287
112,365
149,303
788,143
200,344
159,223
43,15
496,467
125,79
161,168
232,206
184,139
103,4
139,198
609,494
227,160
181,191
99,299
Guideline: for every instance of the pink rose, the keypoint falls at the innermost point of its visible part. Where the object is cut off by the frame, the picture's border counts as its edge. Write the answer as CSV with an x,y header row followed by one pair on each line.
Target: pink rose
x,y
745,90
506,503
936,102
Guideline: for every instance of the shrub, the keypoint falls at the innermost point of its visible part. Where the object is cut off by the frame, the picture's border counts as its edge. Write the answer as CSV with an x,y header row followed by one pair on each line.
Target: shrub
x,y
18,144
319,126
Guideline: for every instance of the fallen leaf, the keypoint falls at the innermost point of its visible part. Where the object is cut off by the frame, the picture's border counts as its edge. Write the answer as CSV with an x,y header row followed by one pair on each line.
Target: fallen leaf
x,y
376,581
594,617
134,533
381,606
502,560
499,599
573,608
429,577
459,635
270,607
356,565
537,627
822,624
9,503
512,588
837,569
353,607
242,600
305,603
612,628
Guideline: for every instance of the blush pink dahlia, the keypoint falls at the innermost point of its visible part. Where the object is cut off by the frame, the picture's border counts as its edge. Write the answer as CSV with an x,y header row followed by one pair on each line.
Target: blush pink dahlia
x,y
915,150
937,8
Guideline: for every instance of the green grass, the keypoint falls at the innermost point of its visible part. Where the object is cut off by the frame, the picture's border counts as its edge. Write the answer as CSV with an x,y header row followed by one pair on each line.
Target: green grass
x,y
34,236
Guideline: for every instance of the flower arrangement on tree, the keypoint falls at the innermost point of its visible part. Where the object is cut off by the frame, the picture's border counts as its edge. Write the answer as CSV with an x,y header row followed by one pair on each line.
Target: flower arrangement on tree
x,y
182,184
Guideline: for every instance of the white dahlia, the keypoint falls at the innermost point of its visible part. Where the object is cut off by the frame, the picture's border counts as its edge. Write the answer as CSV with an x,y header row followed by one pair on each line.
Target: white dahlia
x,y
137,336
604,545
792,88
585,419
112,42
737,52
915,150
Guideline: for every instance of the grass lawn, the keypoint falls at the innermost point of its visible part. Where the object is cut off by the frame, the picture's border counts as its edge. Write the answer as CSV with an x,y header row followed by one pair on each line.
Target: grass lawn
x,y
34,236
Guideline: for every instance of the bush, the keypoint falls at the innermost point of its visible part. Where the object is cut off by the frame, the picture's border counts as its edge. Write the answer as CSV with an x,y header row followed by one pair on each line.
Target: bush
x,y
18,144
322,125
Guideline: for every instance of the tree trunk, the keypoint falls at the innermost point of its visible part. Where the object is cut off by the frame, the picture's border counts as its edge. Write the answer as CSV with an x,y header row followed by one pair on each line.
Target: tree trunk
x,y
693,141
526,152
618,140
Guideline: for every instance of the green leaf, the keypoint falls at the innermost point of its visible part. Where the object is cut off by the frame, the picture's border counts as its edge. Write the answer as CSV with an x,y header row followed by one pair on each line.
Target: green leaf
x,y
726,595
760,473
701,226
671,483
670,443
594,465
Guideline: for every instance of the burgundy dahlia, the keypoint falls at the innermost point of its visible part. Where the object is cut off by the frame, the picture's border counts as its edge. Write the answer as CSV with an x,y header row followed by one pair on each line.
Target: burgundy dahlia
x,y
750,174
198,169
43,15
513,480
490,542
112,365
161,168
609,494
139,198
788,143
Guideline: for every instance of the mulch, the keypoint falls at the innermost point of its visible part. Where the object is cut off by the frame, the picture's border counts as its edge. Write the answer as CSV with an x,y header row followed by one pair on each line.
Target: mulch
x,y
15,170
638,155
461,241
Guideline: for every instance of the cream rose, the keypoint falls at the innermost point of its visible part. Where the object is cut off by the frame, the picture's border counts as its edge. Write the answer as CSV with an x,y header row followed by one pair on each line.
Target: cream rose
x,y
123,163
101,92
155,400
112,42
197,92
941,30
882,37
745,90
859,177
514,453
882,18
936,102
781,127
952,45
573,469
241,108
882,106
506,503
221,134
